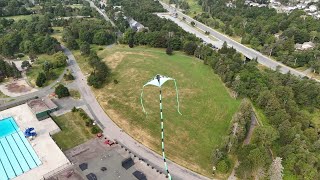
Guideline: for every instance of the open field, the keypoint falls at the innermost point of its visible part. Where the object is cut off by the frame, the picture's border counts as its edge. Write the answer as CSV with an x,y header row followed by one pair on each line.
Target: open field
x,y
205,103
73,131
33,72
20,17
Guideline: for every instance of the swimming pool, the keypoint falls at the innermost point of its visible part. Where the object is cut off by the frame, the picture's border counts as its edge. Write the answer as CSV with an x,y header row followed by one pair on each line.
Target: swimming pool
x,y
16,154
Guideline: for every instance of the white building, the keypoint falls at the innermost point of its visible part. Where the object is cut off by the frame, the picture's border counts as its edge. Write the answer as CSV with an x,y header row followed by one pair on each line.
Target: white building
x,y
305,46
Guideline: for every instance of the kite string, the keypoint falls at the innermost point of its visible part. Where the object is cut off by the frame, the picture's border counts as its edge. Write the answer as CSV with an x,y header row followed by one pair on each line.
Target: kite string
x,y
141,100
175,84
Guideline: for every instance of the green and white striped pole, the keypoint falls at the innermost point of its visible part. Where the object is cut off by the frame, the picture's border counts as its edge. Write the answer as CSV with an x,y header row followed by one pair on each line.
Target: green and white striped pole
x,y
158,81
162,138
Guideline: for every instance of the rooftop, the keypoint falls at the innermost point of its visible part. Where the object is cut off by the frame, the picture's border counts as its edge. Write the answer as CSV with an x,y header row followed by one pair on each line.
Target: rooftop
x,y
41,105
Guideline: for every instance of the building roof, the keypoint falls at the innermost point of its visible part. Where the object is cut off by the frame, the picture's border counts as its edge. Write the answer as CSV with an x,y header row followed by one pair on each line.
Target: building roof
x,y
304,46
41,105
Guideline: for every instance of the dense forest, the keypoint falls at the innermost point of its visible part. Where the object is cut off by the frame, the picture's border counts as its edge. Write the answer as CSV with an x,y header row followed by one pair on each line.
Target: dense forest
x,y
29,37
14,7
288,103
266,30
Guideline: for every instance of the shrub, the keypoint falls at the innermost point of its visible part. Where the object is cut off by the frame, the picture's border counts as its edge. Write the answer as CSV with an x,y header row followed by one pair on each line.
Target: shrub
x,y
223,166
74,109
62,91
115,81
169,50
95,129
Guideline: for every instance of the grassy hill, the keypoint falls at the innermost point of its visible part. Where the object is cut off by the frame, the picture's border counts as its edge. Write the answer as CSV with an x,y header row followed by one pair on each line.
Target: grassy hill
x,y
206,105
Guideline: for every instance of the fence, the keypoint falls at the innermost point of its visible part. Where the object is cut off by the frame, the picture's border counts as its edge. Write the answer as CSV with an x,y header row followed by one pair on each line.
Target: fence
x,y
57,171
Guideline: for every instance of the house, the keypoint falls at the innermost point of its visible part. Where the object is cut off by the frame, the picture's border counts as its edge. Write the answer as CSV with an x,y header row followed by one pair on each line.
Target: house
x,y
135,25
305,46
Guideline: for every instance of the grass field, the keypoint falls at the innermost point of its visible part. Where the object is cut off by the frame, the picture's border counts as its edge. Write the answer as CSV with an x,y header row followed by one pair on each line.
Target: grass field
x,y
33,72
3,95
205,103
73,131
75,94
57,33
20,17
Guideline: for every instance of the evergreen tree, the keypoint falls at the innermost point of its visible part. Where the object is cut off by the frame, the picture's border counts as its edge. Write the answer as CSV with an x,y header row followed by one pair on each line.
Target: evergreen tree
x,y
41,79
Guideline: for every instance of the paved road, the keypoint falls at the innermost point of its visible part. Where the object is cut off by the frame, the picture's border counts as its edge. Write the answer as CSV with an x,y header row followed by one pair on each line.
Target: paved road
x,y
40,93
248,52
114,132
100,12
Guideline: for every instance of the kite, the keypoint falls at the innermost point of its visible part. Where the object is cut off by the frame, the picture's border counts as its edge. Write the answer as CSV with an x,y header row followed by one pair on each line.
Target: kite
x,y
158,81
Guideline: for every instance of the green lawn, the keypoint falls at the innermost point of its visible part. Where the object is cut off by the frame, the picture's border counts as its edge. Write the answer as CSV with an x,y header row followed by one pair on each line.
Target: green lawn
x,y
205,103
73,131
75,94
20,17
33,72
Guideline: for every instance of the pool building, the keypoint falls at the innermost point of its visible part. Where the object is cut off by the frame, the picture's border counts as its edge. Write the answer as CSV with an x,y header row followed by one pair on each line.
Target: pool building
x,y
16,154
26,159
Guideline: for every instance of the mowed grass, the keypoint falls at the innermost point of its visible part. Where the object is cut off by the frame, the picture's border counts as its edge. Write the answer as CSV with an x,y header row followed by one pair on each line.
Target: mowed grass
x,y
73,131
36,68
20,17
205,103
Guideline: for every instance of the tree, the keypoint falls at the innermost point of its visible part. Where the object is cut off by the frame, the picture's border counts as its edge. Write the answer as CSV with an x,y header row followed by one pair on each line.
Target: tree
x,y
41,79
60,59
190,47
61,91
193,23
25,64
265,135
276,169
169,50
85,48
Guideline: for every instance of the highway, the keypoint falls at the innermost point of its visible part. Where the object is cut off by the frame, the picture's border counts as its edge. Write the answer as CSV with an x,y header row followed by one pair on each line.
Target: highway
x,y
248,52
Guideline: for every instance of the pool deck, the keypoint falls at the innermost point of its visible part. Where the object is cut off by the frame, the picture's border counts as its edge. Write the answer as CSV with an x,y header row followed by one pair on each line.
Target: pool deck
x,y
50,155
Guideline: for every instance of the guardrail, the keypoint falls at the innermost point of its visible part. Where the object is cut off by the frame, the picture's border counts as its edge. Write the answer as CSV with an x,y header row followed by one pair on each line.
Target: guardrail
x,y
160,170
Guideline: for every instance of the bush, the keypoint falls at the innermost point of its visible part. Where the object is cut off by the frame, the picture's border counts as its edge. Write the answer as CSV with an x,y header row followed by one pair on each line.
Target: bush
x,y
95,129
62,91
169,50
74,109
88,123
68,77
223,166
115,81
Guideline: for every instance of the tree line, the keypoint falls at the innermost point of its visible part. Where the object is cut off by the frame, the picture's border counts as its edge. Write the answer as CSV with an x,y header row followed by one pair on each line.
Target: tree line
x,y
8,70
79,33
159,33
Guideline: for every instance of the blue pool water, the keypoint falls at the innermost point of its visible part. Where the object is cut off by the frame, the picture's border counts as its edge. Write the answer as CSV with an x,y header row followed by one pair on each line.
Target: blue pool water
x,y
16,154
